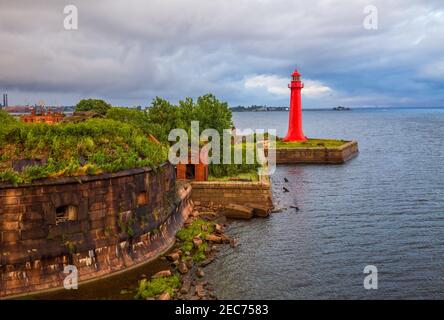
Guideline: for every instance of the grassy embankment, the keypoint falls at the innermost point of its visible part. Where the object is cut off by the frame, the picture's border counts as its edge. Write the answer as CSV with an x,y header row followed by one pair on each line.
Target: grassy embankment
x,y
312,143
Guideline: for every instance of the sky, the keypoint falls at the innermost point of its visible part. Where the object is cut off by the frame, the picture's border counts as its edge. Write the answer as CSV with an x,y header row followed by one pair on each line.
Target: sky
x,y
243,51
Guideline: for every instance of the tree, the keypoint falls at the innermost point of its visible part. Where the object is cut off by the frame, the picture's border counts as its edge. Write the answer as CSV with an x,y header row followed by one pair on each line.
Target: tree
x,y
212,113
186,114
136,117
208,110
96,105
163,117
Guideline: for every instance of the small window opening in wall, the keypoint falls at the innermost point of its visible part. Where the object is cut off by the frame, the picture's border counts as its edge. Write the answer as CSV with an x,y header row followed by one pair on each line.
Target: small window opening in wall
x,y
66,213
142,199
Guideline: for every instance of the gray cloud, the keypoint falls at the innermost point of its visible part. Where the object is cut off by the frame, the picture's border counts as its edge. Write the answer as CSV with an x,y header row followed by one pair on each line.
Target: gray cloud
x,y
130,51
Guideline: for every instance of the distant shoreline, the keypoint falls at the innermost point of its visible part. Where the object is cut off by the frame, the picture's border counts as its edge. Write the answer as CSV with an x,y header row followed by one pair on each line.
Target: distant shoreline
x,y
352,109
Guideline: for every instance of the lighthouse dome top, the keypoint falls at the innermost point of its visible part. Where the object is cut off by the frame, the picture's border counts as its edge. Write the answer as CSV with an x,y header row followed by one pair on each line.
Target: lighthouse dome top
x,y
295,73
296,76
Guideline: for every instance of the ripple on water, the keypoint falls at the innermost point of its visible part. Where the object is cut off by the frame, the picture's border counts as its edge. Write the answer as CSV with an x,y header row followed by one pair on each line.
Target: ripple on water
x,y
385,207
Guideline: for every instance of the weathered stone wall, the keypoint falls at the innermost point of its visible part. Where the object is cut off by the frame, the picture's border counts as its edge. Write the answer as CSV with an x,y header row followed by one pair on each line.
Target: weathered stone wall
x,y
317,155
221,193
101,224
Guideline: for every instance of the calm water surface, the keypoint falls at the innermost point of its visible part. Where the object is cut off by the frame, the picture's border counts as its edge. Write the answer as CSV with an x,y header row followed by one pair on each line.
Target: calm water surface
x,y
384,208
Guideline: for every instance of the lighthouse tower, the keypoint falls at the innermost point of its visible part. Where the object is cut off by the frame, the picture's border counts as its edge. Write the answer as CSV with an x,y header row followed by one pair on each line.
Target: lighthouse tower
x,y
295,118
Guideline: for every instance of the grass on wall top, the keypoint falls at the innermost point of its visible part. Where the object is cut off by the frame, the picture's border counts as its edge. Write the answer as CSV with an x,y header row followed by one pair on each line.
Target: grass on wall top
x,y
312,143
86,148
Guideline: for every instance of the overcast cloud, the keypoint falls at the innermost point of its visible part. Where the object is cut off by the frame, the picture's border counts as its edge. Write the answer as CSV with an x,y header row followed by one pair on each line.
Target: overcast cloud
x,y
244,51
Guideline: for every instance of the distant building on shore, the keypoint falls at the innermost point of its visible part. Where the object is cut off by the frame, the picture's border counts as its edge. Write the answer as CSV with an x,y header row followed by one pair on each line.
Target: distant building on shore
x,y
255,108
43,116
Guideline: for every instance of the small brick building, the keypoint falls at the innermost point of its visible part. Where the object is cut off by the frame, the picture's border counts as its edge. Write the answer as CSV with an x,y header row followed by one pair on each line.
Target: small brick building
x,y
193,171
44,116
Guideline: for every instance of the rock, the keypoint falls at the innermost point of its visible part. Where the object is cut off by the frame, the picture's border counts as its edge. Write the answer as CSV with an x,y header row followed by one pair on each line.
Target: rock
x,y
208,215
203,283
277,209
236,211
233,243
225,239
200,273
213,238
164,296
221,219
204,227
189,263
197,203
186,286
212,295
259,210
178,251
207,261
218,228
200,291
161,274
195,213
183,269
197,241
173,256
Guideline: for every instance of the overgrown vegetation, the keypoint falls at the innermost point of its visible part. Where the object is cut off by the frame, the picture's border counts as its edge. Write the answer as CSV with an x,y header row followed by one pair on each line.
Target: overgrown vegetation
x,y
198,228
122,140
311,143
163,116
156,286
226,171
90,147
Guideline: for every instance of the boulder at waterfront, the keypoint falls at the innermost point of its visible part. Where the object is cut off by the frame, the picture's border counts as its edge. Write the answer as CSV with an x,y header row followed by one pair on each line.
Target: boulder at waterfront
x,y
236,211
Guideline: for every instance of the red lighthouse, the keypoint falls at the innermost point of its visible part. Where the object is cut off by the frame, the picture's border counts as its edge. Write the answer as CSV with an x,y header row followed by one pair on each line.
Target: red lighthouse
x,y
295,119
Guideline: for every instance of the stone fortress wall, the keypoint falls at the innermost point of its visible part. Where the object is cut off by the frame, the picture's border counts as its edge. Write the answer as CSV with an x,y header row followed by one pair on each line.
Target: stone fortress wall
x,y
101,224
317,155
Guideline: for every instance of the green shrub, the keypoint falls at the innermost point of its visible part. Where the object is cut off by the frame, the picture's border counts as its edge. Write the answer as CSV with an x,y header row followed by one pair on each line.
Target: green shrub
x,y
234,170
157,286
